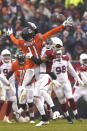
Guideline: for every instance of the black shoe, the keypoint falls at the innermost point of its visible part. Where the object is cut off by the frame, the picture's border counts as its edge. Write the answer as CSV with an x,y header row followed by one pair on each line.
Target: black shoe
x,y
78,118
69,119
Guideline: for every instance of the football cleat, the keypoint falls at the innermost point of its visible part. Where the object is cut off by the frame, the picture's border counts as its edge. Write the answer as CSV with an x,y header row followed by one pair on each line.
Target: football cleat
x,y
6,119
42,123
32,121
78,118
69,119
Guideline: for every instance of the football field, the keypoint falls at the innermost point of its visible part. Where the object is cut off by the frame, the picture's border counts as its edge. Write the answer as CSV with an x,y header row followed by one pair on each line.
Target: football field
x,y
58,125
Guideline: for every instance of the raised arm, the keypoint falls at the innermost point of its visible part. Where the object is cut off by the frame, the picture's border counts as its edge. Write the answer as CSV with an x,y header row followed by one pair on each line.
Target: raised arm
x,y
10,33
57,29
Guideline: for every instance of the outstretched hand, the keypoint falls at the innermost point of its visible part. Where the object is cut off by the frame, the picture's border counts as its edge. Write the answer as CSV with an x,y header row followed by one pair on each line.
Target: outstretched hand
x,y
68,21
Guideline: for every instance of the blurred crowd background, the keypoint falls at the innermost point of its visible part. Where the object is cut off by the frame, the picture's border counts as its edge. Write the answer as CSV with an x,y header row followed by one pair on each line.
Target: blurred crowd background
x,y
46,14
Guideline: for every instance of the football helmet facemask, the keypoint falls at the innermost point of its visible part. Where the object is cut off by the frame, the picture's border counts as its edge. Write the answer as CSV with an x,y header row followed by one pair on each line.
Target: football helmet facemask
x,y
28,33
20,56
6,56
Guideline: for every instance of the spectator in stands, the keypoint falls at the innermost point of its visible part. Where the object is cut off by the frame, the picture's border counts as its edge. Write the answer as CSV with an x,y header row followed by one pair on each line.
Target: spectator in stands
x,y
58,6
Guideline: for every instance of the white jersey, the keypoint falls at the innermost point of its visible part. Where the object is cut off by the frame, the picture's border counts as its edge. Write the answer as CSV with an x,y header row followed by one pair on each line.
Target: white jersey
x,y
5,68
83,73
61,68
43,65
46,67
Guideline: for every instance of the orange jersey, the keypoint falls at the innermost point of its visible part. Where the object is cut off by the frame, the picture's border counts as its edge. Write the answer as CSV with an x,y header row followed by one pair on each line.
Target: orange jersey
x,y
35,45
19,70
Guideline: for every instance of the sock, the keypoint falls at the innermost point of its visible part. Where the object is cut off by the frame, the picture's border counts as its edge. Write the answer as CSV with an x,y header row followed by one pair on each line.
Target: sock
x,y
1,104
9,107
44,118
72,104
65,109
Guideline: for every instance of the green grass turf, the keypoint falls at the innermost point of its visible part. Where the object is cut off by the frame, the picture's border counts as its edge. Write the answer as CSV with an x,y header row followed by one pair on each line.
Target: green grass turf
x,y
58,125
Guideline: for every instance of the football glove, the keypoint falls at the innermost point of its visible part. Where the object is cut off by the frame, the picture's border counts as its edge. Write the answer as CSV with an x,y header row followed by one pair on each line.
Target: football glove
x,y
33,25
29,55
9,31
68,22
56,83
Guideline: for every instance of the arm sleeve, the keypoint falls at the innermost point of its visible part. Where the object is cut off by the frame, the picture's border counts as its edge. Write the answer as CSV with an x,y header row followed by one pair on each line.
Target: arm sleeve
x,y
14,40
51,32
72,71
53,76
36,61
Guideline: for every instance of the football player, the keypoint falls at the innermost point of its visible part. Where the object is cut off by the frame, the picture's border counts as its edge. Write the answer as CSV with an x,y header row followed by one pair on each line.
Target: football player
x,y
33,41
19,68
81,91
7,93
61,65
44,83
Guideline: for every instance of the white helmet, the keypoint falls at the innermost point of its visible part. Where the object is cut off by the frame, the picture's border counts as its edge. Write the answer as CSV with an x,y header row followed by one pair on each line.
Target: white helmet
x,y
56,43
6,55
59,55
83,59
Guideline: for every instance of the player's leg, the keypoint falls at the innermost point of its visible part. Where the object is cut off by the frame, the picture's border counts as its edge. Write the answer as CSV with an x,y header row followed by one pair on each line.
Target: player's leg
x,y
41,110
69,96
49,101
61,97
30,97
11,97
28,77
2,98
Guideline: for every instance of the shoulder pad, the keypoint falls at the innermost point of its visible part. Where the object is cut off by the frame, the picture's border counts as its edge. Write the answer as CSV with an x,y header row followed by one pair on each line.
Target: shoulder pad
x,y
65,57
82,68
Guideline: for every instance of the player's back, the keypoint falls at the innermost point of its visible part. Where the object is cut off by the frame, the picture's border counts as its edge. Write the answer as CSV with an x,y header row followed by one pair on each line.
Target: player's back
x,y
34,46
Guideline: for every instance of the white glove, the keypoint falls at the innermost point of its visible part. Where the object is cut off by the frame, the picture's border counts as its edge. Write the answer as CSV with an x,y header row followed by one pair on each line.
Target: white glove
x,y
9,31
68,22
33,25
29,55
23,95
56,83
